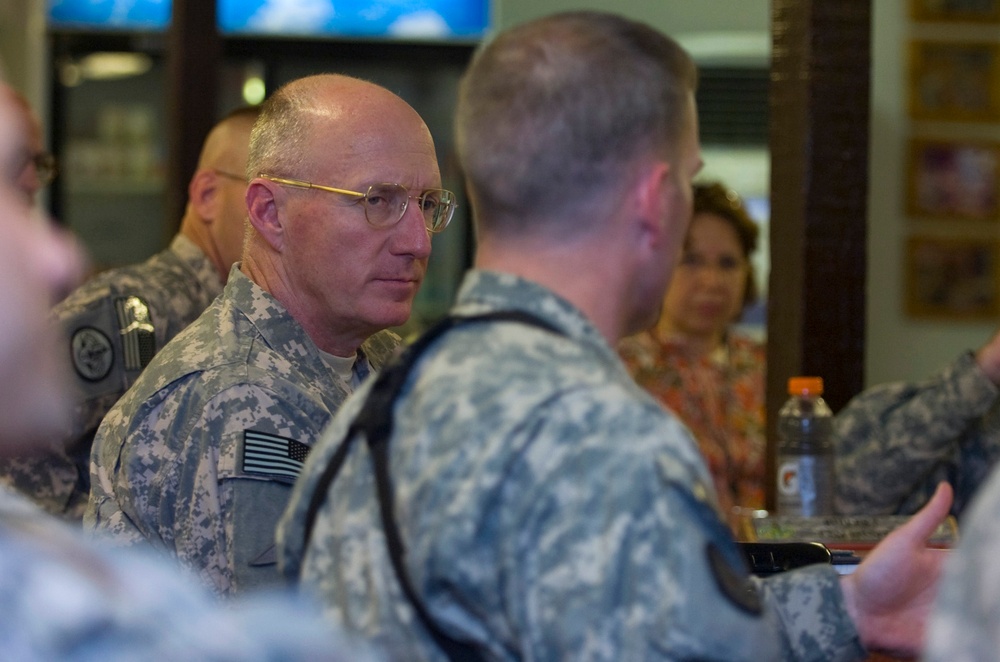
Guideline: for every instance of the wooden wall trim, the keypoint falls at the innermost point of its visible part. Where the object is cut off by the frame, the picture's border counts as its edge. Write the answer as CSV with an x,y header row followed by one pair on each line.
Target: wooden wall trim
x,y
194,51
820,81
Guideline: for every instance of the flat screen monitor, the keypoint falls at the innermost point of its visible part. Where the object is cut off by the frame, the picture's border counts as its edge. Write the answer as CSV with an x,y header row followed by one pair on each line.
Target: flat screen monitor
x,y
135,15
437,20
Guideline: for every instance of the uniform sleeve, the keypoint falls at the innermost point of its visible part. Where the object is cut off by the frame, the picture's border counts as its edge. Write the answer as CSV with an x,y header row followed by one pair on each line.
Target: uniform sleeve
x,y
111,335
631,560
53,479
67,598
265,441
58,478
895,442
109,338
183,482
110,513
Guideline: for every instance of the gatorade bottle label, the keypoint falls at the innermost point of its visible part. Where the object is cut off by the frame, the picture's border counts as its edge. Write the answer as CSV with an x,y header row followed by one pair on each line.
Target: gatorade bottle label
x,y
788,479
805,485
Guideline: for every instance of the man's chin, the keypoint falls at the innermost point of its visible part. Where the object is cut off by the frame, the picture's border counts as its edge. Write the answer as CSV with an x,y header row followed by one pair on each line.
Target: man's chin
x,y
394,315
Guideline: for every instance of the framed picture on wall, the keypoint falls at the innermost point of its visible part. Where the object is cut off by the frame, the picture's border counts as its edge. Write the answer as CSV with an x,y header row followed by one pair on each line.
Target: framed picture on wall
x,y
954,81
952,278
953,179
955,10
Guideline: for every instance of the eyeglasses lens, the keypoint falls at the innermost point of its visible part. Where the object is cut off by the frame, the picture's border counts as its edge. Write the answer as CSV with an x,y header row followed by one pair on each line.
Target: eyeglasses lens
x,y
385,204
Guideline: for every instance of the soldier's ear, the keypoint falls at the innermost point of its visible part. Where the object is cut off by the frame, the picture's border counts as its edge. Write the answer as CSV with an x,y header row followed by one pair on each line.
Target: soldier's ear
x,y
648,194
203,194
262,199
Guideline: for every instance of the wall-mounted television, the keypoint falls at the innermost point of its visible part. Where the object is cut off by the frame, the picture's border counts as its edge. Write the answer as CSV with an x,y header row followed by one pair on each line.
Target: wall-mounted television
x,y
437,20
138,15
390,19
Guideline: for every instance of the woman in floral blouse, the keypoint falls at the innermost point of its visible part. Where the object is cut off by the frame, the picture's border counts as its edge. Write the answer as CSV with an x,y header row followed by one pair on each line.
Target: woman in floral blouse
x,y
695,364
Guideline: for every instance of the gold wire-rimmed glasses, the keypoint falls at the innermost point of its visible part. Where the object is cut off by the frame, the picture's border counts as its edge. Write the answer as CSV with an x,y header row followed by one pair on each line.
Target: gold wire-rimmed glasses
x,y
230,175
386,203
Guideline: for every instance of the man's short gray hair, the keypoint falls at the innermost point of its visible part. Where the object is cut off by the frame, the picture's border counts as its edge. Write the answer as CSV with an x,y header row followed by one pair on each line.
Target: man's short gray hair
x,y
282,130
551,112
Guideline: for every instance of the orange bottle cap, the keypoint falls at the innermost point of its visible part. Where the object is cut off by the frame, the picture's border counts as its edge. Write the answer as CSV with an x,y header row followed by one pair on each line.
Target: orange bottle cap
x,y
805,386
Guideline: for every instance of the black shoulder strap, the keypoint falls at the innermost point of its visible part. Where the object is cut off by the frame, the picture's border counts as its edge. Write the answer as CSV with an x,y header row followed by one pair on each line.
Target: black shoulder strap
x,y
375,422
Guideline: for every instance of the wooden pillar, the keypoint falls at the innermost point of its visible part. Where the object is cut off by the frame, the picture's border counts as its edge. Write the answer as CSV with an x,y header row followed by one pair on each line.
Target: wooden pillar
x,y
194,51
820,80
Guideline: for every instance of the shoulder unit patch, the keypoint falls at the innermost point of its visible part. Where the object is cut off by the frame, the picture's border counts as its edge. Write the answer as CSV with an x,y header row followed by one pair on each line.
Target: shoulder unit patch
x,y
92,353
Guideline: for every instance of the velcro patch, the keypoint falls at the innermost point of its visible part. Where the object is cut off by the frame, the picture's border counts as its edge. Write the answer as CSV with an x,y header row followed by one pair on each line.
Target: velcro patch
x,y
273,456
725,562
733,582
138,340
92,353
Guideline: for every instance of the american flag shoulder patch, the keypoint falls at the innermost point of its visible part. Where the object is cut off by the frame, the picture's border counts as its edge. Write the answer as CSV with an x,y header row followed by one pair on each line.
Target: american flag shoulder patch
x,y
269,455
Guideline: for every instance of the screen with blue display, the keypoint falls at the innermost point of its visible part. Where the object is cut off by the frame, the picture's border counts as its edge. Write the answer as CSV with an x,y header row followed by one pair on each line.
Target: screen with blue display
x,y
394,19
110,14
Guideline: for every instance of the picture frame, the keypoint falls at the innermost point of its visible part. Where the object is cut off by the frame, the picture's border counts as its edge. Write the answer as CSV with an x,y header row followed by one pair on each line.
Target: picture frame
x,y
953,179
954,80
952,278
956,10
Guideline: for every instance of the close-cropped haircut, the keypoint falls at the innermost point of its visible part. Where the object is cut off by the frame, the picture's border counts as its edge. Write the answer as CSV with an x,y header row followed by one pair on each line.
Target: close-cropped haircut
x,y
552,112
279,135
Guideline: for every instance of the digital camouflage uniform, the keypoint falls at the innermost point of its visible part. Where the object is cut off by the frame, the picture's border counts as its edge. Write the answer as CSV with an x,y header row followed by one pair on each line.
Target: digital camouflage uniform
x,y
965,623
551,510
199,455
896,442
115,322
65,598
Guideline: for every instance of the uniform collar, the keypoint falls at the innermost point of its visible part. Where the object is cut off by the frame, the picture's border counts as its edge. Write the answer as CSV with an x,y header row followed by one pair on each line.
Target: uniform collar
x,y
487,291
199,264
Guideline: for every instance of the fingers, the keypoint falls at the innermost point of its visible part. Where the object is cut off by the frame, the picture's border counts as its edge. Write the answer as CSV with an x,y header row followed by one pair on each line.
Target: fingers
x,y
922,525
988,358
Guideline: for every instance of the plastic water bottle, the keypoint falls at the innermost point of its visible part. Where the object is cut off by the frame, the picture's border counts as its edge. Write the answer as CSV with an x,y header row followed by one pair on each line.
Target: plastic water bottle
x,y
805,451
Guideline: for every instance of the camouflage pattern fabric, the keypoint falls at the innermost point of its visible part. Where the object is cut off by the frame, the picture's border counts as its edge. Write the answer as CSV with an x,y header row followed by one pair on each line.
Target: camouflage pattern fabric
x,y
551,509
894,443
199,456
64,598
965,623
114,324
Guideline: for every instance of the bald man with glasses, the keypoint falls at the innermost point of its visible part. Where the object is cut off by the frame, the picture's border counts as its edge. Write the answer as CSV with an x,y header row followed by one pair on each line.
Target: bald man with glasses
x,y
198,458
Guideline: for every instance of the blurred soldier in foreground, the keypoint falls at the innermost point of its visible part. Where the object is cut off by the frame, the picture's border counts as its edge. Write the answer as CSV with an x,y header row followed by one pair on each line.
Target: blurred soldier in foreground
x,y
965,626
119,319
547,508
63,597
198,458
